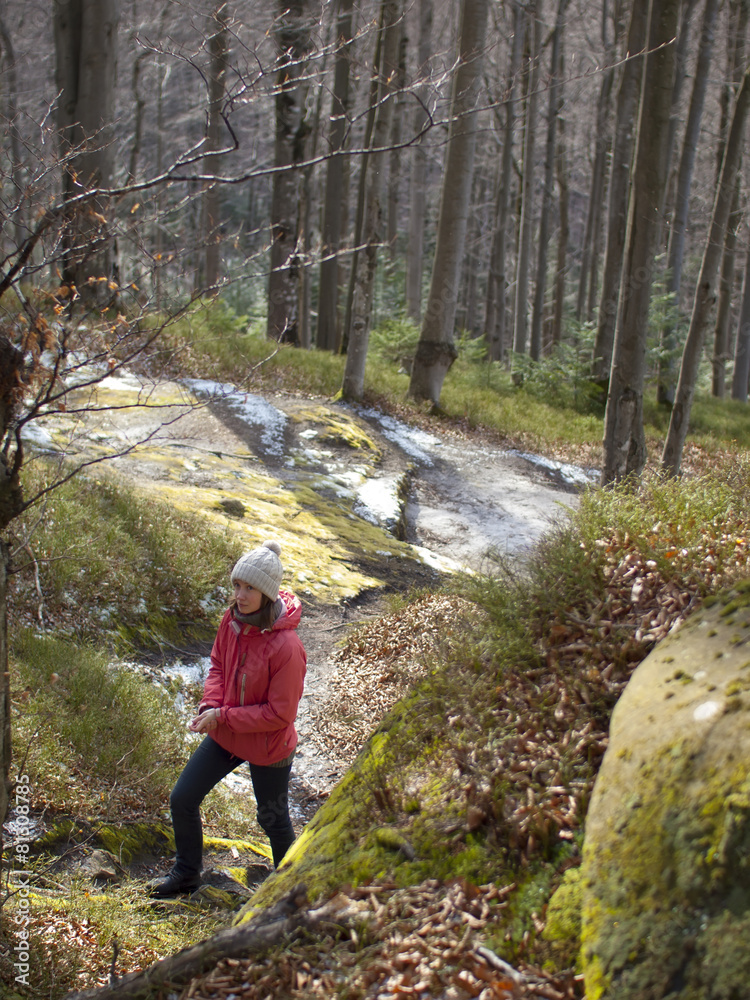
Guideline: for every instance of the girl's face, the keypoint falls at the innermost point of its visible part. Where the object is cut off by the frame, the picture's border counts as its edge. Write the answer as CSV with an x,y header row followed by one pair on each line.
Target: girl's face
x,y
248,598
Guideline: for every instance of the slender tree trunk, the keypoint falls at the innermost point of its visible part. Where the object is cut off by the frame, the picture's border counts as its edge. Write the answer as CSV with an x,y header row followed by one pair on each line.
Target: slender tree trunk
x,y
523,264
19,208
326,338
418,179
436,350
308,189
12,365
86,60
678,231
742,349
219,62
372,235
721,352
367,144
292,30
563,236
628,97
496,315
681,58
705,292
396,154
624,438
553,111
587,279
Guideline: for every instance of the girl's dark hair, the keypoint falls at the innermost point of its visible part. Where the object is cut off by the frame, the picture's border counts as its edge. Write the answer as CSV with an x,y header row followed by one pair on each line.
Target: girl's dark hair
x,y
266,612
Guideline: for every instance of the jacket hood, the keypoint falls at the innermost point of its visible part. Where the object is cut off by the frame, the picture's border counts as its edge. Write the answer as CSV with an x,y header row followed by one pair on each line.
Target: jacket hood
x,y
292,613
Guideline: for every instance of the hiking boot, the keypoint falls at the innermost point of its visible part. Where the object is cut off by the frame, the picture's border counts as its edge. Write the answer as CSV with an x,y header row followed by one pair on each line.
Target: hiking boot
x,y
171,885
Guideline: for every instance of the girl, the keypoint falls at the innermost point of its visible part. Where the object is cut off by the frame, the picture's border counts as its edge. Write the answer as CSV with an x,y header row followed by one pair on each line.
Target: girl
x,y
248,710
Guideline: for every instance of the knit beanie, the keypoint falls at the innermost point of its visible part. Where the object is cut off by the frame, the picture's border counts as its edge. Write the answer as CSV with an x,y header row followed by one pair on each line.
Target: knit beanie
x,y
261,569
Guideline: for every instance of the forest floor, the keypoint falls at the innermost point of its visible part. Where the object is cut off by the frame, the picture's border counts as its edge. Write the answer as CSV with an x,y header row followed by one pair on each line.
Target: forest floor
x,y
454,496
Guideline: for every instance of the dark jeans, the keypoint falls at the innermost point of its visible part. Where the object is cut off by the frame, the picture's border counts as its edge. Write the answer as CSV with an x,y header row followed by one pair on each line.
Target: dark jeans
x,y
208,765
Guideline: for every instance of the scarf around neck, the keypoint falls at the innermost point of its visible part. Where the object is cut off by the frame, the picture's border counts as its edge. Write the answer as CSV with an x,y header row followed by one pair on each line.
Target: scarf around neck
x,y
266,617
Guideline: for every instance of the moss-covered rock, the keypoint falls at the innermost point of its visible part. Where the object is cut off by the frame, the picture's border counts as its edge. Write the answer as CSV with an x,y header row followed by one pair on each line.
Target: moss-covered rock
x,y
667,852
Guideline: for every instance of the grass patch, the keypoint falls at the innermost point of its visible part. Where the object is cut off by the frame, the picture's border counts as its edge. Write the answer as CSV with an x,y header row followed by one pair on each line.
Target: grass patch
x,y
95,738
95,556
73,932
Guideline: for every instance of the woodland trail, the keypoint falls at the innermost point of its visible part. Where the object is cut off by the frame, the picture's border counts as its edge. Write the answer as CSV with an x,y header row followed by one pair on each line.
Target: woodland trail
x,y
451,497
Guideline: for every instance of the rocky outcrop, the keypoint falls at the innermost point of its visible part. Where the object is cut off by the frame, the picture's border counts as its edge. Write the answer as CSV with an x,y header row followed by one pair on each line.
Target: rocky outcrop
x,y
666,909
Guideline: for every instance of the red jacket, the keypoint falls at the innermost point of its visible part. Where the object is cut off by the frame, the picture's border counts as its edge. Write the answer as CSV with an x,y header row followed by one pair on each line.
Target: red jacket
x,y
256,679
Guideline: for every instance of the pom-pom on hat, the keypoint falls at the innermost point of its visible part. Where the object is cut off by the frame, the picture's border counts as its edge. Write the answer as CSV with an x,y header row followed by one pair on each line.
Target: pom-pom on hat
x,y
261,569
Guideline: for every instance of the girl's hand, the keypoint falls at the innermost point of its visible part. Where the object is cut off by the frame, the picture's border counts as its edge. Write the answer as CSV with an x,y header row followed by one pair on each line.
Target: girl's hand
x,y
205,721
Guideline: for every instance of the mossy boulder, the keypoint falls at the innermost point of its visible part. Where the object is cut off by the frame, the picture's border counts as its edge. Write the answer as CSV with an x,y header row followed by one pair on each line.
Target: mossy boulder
x,y
666,870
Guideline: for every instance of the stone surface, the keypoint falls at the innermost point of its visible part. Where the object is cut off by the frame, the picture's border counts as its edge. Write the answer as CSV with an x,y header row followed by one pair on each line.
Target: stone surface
x,y
666,909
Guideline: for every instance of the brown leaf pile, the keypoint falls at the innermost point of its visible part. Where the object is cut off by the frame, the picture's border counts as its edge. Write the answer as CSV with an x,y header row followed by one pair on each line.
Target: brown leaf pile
x,y
378,665
424,941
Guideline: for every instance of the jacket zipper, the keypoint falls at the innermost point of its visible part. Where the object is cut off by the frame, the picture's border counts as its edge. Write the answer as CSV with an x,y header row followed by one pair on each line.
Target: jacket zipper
x,y
244,678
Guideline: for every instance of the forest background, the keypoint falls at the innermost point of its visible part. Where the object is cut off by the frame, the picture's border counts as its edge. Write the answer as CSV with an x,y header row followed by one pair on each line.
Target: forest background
x,y
558,191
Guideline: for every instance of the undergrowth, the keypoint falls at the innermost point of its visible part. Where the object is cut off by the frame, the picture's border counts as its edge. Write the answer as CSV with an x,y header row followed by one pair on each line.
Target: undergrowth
x,y
95,737
95,557
79,935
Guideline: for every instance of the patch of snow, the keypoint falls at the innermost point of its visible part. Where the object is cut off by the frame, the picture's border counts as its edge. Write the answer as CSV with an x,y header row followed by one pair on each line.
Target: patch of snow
x,y
361,511
254,410
572,474
34,433
441,563
194,672
380,497
411,440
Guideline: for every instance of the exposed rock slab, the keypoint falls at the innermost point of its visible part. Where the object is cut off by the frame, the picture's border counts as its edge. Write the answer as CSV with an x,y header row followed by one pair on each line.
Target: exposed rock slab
x,y
667,852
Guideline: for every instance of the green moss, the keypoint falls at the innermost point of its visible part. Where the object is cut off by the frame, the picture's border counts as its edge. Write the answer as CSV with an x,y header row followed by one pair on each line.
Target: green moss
x,y
676,860
340,428
63,829
564,910
131,840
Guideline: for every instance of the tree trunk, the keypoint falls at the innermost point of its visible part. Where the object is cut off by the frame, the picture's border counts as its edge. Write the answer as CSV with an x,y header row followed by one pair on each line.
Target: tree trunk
x,y
436,350
11,503
367,145
418,179
705,292
327,332
372,234
678,232
496,321
394,167
721,352
742,348
588,277
219,62
19,207
553,111
86,60
624,438
292,30
563,237
735,68
523,264
628,97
